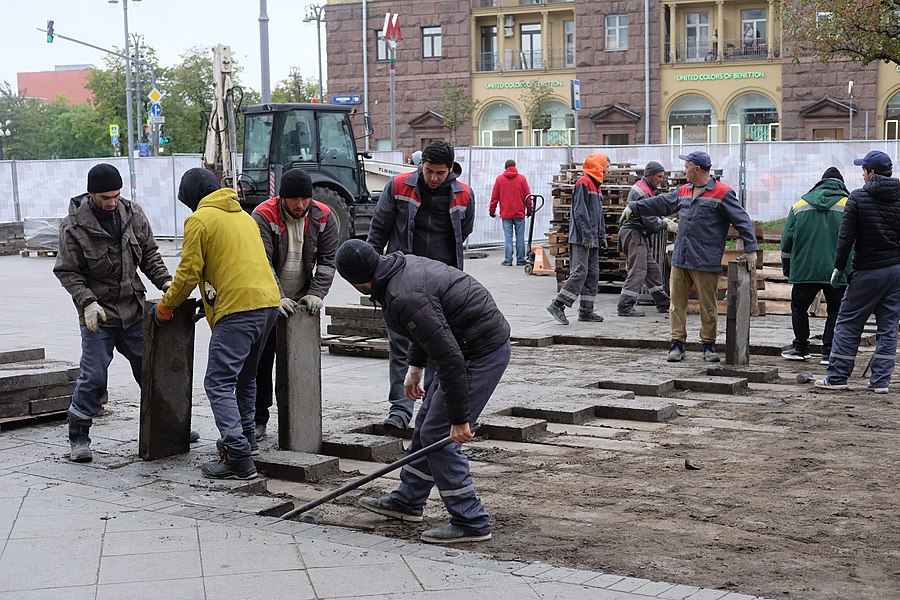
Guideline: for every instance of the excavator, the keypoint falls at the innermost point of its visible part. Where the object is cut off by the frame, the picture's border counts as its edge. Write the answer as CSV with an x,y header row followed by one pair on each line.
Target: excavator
x,y
318,138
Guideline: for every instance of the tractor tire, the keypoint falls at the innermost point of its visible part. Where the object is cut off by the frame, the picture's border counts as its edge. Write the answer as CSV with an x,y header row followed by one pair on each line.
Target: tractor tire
x,y
339,209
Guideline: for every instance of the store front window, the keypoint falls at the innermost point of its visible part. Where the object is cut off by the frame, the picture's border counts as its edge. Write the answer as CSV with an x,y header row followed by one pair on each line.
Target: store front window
x,y
759,116
692,120
892,119
561,130
499,125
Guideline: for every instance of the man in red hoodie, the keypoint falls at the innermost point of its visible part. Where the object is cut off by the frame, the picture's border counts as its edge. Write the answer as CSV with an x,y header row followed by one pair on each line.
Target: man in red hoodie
x,y
511,192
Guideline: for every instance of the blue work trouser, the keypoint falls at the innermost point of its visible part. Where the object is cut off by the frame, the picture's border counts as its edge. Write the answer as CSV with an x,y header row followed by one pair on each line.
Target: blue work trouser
x,y
96,354
870,291
448,468
519,226
584,278
401,406
264,372
230,383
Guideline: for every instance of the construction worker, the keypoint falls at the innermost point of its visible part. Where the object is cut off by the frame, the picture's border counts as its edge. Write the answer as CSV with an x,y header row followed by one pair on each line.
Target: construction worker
x,y
512,193
224,255
451,320
871,225
587,237
808,244
640,265
429,213
300,237
103,242
706,208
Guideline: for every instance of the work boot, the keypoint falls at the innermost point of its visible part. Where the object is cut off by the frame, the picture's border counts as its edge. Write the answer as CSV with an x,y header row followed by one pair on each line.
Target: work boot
x,y
250,434
558,312
631,312
260,431
676,352
80,442
193,436
709,353
453,534
395,422
388,508
589,316
229,468
662,309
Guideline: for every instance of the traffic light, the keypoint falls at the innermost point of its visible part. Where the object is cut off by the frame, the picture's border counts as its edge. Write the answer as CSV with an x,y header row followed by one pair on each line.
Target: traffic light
x,y
49,32
163,139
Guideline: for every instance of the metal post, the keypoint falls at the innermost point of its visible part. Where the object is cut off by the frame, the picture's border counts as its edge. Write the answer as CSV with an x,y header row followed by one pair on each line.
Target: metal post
x,y
175,202
137,86
154,141
742,172
851,116
15,186
264,51
646,72
129,104
314,13
392,45
365,46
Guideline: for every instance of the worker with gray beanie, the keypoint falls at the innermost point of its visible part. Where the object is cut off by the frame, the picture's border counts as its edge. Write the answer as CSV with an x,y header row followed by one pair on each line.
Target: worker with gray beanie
x,y
634,242
103,242
451,320
300,236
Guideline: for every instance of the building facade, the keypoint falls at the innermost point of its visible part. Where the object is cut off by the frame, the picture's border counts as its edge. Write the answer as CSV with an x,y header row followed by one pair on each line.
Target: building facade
x,y
678,72
64,80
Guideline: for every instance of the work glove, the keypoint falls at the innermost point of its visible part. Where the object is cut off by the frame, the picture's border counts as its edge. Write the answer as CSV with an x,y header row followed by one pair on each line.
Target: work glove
x,y
313,304
165,287
93,314
603,245
412,383
493,216
161,314
287,307
836,278
750,257
626,214
671,226
589,245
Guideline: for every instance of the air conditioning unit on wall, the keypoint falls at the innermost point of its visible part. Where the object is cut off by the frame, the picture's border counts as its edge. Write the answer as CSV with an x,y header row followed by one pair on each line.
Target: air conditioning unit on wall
x,y
509,23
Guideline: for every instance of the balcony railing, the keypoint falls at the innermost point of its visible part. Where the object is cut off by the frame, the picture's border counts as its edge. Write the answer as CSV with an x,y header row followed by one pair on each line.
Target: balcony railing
x,y
701,50
514,60
515,3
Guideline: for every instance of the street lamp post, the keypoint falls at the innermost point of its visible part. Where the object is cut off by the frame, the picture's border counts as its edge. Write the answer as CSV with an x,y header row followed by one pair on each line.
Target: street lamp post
x,y
4,135
129,99
316,12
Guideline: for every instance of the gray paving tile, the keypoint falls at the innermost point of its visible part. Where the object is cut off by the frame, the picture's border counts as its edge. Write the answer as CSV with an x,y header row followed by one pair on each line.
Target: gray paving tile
x,y
679,592
535,568
320,553
86,592
654,588
347,581
8,490
214,535
736,596
182,589
707,594
147,542
442,576
604,581
279,584
249,558
42,505
73,525
628,584
145,520
555,590
159,567
513,591
64,561
578,577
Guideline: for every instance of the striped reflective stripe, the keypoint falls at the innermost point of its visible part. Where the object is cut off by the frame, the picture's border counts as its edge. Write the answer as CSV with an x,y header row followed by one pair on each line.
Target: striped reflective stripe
x,y
630,293
409,199
418,473
79,414
469,489
843,356
234,431
785,255
884,357
566,293
658,288
325,270
459,208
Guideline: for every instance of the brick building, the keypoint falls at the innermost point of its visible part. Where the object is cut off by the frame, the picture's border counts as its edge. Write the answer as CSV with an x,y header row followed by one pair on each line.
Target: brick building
x,y
703,70
64,80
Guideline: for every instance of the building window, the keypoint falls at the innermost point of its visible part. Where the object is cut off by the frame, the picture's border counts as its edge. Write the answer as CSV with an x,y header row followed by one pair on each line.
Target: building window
x,y
431,42
696,36
827,134
892,119
499,125
692,121
617,32
569,29
530,53
758,115
753,27
616,139
381,47
487,60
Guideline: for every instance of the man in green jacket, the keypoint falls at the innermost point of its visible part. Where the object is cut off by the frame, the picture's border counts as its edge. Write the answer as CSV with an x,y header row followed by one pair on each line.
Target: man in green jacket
x,y
808,245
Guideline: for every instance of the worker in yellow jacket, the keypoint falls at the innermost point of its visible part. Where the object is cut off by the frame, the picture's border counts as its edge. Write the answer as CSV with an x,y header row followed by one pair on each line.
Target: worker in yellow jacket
x,y
224,255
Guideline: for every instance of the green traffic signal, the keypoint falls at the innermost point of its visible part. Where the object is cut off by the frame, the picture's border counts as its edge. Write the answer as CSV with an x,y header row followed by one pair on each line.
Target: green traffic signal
x,y
49,32
163,140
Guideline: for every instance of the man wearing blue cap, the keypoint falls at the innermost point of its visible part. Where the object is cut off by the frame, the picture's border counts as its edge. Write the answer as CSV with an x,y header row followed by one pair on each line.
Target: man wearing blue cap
x,y
706,208
875,285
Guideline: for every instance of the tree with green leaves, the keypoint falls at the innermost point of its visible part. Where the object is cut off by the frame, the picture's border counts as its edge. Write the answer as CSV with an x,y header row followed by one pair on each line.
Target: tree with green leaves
x,y
456,106
295,88
861,30
536,98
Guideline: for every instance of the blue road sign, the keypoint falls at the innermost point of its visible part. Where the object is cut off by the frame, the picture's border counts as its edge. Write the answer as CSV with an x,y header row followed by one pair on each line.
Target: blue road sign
x,y
155,110
114,139
347,99
576,94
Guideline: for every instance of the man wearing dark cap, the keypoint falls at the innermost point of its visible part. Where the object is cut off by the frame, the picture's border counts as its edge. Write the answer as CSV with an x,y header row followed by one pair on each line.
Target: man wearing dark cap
x,y
103,242
808,244
430,213
224,255
451,320
871,227
706,208
301,237
633,242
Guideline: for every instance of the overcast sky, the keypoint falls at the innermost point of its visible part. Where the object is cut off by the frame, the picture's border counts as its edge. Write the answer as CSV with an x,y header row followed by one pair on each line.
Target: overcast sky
x,y
169,26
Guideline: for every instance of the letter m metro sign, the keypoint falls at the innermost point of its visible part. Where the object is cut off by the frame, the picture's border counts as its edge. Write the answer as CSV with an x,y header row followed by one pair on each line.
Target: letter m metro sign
x,y
391,29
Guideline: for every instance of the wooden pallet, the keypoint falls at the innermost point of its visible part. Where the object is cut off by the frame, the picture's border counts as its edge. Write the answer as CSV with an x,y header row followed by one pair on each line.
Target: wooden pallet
x,y
357,345
44,252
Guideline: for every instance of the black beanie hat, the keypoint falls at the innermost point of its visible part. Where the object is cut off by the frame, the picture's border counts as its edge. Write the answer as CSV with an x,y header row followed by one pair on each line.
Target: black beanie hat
x,y
103,178
653,167
832,173
356,261
196,184
295,184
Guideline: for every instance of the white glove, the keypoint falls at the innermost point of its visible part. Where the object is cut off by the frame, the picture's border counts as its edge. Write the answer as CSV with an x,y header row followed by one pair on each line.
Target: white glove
x,y
626,214
93,314
412,383
671,225
312,303
835,278
287,307
750,257
167,285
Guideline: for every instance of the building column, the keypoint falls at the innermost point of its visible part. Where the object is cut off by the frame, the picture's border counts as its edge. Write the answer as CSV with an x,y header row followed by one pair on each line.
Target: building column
x,y
476,44
720,29
501,42
673,35
545,39
770,35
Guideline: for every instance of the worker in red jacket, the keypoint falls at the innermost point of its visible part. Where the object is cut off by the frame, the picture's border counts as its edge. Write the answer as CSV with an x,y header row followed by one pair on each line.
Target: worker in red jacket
x,y
512,193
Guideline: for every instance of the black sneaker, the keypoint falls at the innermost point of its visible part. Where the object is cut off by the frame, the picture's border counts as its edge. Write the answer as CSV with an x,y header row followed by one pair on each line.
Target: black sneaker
x,y
662,309
826,358
230,468
631,312
558,313
676,352
506,263
454,534
388,508
794,354
709,353
259,430
193,436
589,317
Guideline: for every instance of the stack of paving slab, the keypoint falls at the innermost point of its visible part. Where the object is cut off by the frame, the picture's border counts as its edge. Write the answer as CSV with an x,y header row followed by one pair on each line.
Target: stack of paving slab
x,y
32,386
356,330
12,237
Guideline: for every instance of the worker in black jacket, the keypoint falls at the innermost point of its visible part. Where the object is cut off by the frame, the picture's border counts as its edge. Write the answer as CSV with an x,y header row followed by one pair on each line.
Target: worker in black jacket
x,y
871,224
451,320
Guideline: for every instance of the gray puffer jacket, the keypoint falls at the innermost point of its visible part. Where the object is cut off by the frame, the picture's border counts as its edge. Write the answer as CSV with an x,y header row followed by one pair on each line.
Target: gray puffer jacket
x,y
95,267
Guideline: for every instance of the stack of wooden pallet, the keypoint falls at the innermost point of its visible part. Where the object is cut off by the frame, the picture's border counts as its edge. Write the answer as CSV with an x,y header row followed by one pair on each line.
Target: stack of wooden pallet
x,y
31,386
357,331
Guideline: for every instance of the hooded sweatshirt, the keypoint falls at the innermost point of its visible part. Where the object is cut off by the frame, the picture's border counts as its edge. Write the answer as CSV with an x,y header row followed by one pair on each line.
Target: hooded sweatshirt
x,y
511,192
587,225
871,222
810,234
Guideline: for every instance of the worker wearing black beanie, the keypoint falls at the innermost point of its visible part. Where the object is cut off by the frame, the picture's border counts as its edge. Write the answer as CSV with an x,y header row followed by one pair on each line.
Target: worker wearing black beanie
x,y
295,184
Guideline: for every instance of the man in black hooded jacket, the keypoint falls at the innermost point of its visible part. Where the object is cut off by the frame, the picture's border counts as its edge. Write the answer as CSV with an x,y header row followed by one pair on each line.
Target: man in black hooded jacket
x,y
451,320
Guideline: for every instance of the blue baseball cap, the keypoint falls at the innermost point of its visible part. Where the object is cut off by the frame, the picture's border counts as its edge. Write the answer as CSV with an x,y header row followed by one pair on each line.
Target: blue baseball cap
x,y
875,161
701,159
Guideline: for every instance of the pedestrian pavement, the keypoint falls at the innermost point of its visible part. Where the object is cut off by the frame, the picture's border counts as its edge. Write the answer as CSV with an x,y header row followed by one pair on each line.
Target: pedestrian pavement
x,y
124,528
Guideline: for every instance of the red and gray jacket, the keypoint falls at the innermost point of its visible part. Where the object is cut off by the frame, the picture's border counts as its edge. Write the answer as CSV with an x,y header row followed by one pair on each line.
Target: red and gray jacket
x,y
646,224
702,224
586,223
394,219
320,242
